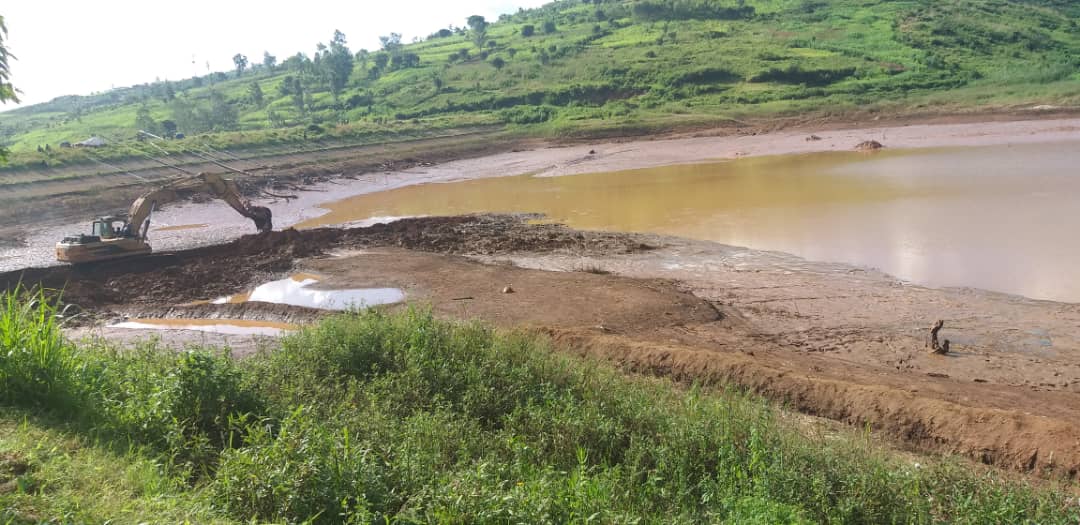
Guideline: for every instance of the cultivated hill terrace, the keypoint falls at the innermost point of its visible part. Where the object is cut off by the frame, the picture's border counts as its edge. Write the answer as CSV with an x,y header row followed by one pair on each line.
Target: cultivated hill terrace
x,y
576,67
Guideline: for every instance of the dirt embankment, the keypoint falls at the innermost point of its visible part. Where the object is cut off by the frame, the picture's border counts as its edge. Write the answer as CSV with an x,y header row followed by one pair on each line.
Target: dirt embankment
x,y
837,355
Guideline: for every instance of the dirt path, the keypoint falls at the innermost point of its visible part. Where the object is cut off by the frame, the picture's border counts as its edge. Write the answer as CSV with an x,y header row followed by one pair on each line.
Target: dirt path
x,y
827,339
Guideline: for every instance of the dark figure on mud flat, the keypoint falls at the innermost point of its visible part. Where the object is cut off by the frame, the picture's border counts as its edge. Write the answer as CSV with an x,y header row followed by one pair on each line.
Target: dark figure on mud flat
x,y
932,343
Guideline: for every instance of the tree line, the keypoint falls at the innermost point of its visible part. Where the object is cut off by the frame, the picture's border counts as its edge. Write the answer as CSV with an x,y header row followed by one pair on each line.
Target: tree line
x,y
330,69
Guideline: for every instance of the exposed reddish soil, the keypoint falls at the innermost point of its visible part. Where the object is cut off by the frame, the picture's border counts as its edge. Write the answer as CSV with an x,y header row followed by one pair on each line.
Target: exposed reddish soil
x,y
843,356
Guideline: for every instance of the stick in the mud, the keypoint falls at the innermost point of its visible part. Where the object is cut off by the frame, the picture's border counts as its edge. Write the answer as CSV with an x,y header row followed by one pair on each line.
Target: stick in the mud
x,y
933,344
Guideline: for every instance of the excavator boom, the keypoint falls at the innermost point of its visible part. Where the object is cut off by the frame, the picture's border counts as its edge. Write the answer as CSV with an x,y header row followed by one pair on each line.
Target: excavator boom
x,y
215,185
113,238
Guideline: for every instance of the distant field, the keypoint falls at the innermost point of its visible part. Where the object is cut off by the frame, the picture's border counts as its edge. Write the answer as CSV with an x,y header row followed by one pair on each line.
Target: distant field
x,y
604,67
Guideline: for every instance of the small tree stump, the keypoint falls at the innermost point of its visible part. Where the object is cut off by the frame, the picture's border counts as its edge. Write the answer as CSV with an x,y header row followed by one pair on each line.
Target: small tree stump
x,y
869,145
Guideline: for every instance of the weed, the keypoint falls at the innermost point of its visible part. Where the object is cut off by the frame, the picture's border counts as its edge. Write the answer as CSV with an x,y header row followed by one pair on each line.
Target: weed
x,y
593,268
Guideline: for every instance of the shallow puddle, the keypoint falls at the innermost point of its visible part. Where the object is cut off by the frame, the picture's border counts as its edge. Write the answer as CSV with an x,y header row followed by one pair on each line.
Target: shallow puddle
x,y
219,326
296,290
1000,218
181,227
372,221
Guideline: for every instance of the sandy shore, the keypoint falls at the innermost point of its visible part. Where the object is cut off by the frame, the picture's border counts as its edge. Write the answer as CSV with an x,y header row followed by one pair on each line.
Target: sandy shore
x,y
616,156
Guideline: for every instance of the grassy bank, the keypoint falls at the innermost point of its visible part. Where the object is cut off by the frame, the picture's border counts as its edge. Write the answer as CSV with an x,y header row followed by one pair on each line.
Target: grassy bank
x,y
580,67
379,417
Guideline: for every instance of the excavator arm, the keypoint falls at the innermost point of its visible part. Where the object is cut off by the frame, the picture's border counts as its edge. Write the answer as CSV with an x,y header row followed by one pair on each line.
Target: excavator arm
x,y
105,243
215,185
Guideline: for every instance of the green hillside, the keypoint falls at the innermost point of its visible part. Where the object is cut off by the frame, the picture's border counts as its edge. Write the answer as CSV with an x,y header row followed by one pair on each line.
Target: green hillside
x,y
605,66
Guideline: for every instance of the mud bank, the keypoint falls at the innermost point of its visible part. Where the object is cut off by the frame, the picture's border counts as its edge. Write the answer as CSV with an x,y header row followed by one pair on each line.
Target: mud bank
x,y
826,339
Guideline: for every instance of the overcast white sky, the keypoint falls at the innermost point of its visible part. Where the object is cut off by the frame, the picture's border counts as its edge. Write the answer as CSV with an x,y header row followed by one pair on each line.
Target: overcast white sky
x,y
67,47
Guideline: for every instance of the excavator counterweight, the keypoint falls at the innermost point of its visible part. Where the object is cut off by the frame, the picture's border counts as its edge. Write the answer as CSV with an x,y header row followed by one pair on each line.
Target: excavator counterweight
x,y
116,237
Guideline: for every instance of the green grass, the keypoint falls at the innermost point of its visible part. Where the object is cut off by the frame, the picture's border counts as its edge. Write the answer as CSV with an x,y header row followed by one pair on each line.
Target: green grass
x,y
67,478
374,417
608,68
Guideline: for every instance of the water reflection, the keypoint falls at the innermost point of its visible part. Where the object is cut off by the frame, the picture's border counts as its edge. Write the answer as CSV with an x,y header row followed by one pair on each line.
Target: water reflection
x,y
997,217
219,326
179,227
296,291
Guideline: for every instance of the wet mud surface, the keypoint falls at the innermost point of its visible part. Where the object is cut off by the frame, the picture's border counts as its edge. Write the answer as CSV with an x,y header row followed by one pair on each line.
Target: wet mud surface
x,y
828,340
220,270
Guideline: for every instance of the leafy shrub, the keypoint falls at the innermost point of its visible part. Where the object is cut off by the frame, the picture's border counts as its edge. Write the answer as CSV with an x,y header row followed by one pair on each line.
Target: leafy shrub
x,y
210,391
307,471
705,75
528,114
359,100
795,74
652,10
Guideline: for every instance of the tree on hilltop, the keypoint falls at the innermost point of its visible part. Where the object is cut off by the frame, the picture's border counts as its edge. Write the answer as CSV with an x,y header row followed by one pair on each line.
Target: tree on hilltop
x,y
392,43
144,121
478,30
362,57
269,61
255,94
241,62
337,61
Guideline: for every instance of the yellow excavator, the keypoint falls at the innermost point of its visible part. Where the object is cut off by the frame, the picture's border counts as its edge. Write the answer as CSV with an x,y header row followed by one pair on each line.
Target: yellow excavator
x,y
116,237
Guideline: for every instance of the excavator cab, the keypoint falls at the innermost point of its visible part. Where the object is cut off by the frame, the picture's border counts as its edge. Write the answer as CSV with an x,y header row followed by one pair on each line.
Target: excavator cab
x,y
110,238
109,228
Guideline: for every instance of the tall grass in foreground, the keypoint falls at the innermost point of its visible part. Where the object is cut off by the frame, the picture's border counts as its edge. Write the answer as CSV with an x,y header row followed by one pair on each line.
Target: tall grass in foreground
x,y
36,364
375,417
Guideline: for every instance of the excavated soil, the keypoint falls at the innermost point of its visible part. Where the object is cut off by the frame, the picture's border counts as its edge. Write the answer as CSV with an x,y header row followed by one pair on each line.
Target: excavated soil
x,y
827,340
205,273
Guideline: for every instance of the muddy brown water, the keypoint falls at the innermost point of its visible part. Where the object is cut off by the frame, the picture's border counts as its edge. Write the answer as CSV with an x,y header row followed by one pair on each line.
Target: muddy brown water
x,y
999,218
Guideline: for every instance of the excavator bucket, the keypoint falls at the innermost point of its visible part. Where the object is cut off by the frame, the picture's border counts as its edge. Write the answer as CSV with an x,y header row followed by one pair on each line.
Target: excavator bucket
x,y
263,218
